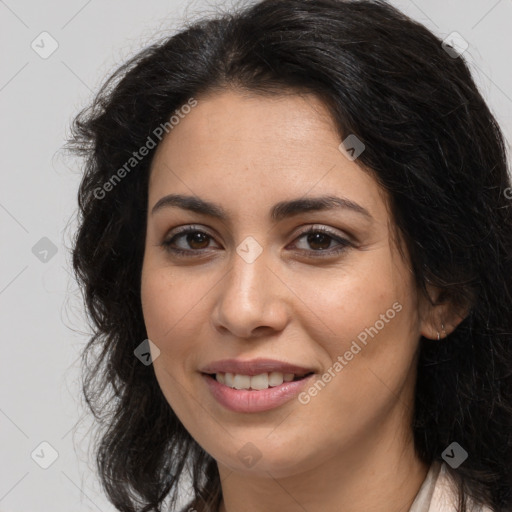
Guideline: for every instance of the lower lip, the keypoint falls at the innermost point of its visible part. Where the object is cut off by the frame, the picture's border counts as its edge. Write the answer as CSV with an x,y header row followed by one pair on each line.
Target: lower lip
x,y
243,400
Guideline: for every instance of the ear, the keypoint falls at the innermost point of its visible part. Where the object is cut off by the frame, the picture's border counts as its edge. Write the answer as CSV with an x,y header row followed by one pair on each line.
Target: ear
x,y
439,316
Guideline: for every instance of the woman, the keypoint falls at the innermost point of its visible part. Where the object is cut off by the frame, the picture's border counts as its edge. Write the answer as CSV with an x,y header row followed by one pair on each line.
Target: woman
x,y
296,249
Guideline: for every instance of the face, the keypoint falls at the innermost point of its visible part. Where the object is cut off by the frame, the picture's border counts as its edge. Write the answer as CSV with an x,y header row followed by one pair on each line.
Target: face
x,y
316,290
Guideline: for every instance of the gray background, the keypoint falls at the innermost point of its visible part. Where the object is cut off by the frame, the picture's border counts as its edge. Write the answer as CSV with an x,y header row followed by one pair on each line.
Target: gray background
x,y
43,328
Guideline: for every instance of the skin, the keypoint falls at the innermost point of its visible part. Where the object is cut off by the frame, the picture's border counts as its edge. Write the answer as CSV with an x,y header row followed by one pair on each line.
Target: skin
x,y
350,447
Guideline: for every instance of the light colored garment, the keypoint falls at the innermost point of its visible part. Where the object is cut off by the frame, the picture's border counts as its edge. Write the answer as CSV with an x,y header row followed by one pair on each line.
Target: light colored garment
x,y
438,493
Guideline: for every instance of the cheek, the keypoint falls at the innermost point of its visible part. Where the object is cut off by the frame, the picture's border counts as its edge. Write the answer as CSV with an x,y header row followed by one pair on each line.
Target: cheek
x,y
369,332
157,306
372,299
168,306
174,313
170,303
165,305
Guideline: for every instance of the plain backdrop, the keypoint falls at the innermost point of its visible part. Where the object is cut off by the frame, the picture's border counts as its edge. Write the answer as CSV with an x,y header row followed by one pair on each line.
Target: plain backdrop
x,y
43,328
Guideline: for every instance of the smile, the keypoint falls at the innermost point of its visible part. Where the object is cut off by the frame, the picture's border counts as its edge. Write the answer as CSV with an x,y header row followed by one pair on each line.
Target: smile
x,y
256,382
239,393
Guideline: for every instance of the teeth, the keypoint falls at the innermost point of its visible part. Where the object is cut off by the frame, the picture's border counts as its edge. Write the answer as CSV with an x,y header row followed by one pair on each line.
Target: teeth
x,y
258,382
276,378
228,379
241,381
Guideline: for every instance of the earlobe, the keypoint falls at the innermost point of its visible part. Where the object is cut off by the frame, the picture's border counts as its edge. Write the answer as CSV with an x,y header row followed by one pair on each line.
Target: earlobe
x,y
443,330
439,318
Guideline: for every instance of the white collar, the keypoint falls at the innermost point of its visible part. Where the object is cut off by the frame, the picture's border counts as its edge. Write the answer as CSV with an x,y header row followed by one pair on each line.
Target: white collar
x,y
438,493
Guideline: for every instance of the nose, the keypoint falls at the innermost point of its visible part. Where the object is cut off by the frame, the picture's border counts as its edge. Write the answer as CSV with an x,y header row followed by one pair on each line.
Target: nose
x,y
252,301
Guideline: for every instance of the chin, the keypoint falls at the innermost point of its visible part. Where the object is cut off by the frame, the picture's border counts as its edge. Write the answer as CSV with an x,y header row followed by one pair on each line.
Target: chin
x,y
278,457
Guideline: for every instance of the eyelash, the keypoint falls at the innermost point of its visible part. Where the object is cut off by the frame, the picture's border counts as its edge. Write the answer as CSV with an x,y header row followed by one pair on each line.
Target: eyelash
x,y
167,244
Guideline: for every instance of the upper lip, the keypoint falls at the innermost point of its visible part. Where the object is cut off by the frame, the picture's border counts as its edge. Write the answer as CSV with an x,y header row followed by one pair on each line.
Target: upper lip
x,y
254,367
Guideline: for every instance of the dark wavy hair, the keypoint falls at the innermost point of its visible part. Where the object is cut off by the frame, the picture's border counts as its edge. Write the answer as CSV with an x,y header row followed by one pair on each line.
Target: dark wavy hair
x,y
431,143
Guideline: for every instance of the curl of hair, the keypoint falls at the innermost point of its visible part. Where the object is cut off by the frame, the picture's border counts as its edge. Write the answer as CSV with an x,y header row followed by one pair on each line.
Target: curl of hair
x,y
431,143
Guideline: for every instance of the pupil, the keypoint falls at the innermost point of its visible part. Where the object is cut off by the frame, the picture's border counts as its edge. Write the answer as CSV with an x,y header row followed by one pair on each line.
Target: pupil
x,y
312,239
194,238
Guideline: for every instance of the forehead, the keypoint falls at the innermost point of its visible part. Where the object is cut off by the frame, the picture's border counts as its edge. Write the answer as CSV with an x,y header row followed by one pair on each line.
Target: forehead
x,y
245,125
234,147
294,114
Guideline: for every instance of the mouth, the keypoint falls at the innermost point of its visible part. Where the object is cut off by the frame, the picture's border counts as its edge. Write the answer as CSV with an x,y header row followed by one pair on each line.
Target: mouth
x,y
257,382
259,393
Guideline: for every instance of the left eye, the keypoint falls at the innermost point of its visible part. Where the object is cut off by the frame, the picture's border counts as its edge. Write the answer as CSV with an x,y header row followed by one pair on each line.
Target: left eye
x,y
319,239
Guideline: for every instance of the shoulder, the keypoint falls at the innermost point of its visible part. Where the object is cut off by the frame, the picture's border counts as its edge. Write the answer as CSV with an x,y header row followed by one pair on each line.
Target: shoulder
x,y
444,498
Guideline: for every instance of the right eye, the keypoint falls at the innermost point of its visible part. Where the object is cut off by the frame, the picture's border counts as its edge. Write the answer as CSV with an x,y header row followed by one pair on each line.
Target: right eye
x,y
192,237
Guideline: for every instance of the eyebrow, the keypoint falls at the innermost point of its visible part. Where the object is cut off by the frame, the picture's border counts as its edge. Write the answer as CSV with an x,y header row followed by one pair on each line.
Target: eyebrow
x,y
279,211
